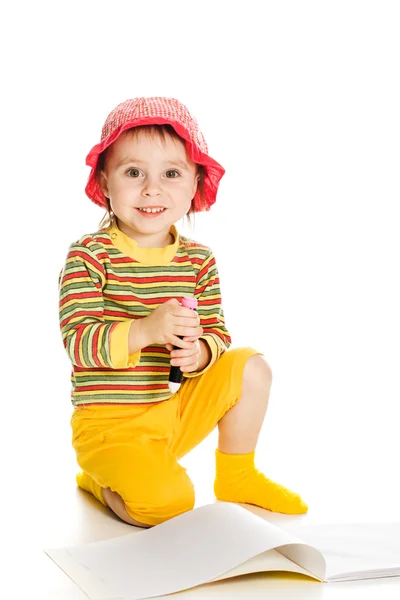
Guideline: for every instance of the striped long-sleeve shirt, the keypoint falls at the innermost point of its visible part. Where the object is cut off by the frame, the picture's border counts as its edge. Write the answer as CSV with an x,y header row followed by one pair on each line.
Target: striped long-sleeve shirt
x,y
107,281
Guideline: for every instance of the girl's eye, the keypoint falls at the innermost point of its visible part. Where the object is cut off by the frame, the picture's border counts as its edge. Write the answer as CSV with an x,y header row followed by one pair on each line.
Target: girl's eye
x,y
132,171
173,171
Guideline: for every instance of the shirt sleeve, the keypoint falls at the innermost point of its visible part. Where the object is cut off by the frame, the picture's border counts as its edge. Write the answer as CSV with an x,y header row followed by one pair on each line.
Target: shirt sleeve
x,y
90,341
210,311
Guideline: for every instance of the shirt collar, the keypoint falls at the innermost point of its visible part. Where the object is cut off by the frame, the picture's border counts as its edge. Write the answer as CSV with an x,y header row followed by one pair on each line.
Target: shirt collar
x,y
148,256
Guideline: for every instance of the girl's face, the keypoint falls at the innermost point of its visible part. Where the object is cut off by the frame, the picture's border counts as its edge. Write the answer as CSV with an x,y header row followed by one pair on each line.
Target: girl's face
x,y
141,172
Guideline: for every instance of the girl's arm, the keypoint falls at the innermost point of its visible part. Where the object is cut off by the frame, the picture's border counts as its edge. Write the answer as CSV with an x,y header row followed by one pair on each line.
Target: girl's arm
x,y
91,342
209,308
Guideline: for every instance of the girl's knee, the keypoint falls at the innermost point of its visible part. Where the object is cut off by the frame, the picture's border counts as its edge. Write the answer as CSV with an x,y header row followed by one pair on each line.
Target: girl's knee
x,y
257,370
163,501
251,361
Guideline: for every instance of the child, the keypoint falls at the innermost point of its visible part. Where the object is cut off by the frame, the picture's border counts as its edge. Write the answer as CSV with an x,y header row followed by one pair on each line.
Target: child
x,y
120,316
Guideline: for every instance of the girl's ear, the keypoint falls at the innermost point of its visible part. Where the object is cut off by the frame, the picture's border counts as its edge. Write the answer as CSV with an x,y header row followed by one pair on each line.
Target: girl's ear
x,y
196,183
103,183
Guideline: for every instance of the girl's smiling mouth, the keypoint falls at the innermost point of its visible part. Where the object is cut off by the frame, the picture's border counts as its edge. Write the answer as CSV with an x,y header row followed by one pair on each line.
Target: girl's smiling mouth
x,y
150,214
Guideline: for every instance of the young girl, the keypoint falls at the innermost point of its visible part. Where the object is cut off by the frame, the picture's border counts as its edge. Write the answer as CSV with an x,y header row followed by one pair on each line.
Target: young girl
x,y
121,315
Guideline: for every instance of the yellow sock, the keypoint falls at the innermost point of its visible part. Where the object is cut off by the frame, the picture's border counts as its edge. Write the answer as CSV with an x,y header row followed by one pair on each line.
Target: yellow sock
x,y
89,485
237,480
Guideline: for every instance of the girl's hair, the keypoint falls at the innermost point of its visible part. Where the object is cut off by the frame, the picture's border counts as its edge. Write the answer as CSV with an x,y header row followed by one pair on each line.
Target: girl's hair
x,y
154,131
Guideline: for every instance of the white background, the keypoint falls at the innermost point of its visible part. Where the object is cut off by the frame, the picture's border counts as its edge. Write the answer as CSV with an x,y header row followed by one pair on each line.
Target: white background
x,y
299,101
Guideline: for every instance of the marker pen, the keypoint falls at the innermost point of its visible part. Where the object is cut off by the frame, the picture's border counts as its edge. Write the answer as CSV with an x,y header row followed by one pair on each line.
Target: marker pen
x,y
175,373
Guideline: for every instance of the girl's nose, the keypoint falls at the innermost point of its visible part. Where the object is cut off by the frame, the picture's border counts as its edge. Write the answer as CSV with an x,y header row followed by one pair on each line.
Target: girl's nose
x,y
151,186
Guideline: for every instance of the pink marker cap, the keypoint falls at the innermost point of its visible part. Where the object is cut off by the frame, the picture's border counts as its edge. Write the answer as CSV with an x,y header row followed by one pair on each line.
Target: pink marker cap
x,y
189,302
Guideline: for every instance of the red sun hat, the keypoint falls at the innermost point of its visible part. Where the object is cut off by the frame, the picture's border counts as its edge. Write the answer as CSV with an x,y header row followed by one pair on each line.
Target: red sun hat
x,y
157,110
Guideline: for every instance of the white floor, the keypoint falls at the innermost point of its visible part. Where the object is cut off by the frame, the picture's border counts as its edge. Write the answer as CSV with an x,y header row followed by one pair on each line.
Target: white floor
x,y
54,513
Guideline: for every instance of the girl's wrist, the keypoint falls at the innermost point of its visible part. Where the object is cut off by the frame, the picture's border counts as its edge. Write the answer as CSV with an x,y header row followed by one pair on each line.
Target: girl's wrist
x,y
205,355
138,337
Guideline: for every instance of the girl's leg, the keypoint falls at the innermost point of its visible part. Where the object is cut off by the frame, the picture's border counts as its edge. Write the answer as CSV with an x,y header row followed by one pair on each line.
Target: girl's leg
x,y
158,493
204,400
106,497
233,393
237,479
127,463
239,428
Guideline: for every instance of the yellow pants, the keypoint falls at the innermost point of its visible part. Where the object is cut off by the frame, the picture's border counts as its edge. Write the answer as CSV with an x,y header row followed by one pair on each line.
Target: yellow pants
x,y
134,449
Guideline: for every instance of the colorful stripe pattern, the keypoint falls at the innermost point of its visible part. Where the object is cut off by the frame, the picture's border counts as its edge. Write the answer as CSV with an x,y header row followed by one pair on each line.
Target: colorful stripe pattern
x,y
101,287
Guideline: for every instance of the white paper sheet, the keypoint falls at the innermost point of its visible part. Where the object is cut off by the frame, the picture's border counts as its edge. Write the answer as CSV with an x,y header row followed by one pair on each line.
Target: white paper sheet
x,y
271,560
87,581
352,548
181,553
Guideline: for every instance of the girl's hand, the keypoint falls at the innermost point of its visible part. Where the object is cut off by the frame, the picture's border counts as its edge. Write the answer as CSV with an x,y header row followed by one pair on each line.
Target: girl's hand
x,y
187,359
169,322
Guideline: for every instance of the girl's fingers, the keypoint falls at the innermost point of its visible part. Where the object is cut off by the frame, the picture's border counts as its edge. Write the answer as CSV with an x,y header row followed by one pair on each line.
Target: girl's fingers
x,y
191,367
181,352
184,355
